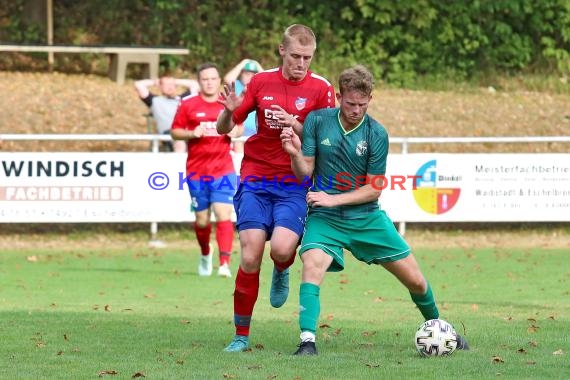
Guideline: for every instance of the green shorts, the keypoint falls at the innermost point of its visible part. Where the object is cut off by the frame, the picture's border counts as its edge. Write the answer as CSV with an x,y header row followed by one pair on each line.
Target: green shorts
x,y
373,239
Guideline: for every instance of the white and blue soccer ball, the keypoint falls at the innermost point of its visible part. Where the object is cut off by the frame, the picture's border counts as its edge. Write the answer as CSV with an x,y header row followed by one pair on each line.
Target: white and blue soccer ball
x,y
436,337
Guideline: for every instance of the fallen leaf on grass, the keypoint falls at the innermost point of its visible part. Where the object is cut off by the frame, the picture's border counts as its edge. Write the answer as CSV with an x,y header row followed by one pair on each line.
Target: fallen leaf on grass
x,y
378,299
521,351
32,259
497,359
260,346
474,307
532,329
138,374
337,332
533,343
107,372
531,362
531,320
372,365
324,326
59,353
255,366
107,308
368,333
558,352
65,337
229,376
509,318
185,321
149,295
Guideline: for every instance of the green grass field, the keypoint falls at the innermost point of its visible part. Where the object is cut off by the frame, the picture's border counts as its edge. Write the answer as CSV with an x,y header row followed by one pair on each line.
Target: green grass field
x,y
89,313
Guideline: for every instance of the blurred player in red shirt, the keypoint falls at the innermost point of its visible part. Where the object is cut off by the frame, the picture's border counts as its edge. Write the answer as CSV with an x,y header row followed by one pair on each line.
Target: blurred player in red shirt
x,y
211,177
269,203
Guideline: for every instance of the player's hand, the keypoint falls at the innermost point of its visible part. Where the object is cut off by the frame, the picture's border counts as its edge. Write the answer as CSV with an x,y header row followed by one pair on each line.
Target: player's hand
x,y
198,132
229,99
285,119
290,141
320,199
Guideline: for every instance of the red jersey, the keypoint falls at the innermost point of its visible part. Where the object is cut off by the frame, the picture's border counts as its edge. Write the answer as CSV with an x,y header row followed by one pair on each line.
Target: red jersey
x,y
263,154
208,155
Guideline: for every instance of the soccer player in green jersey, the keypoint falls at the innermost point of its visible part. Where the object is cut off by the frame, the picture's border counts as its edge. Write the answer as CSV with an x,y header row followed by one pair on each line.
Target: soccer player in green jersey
x,y
344,151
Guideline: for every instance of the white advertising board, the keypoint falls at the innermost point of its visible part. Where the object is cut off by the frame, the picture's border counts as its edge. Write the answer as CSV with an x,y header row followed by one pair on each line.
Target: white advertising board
x,y
480,188
150,187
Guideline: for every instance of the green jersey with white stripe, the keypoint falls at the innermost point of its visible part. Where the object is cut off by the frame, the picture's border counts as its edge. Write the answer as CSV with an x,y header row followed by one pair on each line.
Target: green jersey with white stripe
x,y
344,158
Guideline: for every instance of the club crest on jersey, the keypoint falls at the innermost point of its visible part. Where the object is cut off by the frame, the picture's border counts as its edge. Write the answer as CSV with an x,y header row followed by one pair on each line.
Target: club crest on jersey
x,y
361,148
300,103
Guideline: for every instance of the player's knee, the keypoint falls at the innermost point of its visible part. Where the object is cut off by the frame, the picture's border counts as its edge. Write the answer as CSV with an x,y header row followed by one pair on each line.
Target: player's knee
x,y
250,263
281,254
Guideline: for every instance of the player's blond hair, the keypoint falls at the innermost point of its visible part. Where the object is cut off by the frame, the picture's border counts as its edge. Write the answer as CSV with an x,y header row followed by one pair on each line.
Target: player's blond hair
x,y
300,33
356,78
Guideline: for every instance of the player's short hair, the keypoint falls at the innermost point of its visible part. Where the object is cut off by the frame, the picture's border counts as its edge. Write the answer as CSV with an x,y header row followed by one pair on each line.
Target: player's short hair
x,y
204,66
356,78
300,33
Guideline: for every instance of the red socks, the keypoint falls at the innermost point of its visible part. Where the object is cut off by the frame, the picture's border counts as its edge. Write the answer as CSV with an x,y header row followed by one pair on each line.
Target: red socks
x,y
225,239
245,296
203,237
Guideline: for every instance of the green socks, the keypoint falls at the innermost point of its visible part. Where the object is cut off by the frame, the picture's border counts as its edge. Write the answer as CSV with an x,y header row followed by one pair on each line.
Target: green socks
x,y
309,307
426,304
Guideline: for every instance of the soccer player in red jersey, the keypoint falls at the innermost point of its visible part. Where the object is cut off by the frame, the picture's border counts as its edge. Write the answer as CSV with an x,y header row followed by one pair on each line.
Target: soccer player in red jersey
x,y
269,203
210,173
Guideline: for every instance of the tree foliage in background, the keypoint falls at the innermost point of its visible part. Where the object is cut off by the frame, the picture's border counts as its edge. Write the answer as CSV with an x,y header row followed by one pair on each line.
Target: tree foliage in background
x,y
399,41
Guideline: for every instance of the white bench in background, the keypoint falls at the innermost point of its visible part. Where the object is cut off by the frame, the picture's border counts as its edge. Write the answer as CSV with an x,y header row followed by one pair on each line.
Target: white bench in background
x,y
120,56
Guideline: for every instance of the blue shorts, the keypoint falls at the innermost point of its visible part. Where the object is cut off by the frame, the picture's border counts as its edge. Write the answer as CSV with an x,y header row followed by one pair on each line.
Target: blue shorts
x,y
263,206
204,193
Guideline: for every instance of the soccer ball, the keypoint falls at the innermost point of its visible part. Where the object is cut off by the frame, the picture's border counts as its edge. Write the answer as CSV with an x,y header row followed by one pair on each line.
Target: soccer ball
x,y
436,337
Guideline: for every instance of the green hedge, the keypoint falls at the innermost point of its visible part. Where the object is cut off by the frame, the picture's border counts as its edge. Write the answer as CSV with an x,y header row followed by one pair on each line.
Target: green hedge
x,y
398,40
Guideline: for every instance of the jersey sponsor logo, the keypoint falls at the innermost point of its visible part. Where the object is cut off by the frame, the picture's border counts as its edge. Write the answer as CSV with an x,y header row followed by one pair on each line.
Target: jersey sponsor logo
x,y
268,97
300,103
209,128
326,142
361,148
200,114
272,120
